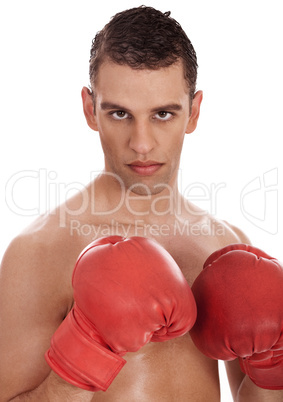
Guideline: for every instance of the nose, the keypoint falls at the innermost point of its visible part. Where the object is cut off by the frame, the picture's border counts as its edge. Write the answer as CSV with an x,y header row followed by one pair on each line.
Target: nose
x,y
142,139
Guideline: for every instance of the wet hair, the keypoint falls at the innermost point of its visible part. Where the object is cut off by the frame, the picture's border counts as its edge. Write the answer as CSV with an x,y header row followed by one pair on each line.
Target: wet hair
x,y
144,38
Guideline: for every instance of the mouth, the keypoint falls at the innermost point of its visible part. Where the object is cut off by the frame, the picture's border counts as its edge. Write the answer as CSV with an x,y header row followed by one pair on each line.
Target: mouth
x,y
146,168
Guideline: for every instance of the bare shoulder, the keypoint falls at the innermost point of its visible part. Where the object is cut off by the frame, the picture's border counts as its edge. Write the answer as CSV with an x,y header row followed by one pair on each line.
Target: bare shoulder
x,y
32,273
43,256
33,249
35,296
236,233
212,228
46,251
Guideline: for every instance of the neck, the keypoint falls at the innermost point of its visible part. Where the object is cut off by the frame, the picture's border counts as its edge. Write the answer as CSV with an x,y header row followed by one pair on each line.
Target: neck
x,y
129,205
153,206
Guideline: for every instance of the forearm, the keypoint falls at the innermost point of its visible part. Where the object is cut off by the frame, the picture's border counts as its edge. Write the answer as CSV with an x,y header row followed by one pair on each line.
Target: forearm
x,y
249,392
54,389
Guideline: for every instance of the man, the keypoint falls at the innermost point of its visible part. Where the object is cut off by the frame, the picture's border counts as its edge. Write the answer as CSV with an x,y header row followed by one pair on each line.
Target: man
x,y
142,102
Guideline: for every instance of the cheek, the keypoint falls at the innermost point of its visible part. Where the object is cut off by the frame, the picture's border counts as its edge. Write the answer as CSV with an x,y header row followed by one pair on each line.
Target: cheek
x,y
115,133
112,143
175,149
176,140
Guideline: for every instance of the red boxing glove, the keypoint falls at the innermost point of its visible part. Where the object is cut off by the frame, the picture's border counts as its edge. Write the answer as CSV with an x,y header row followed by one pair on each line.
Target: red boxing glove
x,y
127,293
239,296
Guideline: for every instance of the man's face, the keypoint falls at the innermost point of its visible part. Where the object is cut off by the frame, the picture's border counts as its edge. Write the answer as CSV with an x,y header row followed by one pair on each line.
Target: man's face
x,y
142,117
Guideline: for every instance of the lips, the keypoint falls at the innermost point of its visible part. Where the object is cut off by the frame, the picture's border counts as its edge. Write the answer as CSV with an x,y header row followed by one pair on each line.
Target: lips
x,y
146,168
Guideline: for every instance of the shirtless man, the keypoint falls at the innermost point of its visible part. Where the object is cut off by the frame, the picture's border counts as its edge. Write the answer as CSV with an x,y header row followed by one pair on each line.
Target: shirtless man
x,y
142,102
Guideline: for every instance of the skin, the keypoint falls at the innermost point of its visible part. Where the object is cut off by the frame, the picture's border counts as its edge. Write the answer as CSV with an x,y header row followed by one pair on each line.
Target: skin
x,y
142,139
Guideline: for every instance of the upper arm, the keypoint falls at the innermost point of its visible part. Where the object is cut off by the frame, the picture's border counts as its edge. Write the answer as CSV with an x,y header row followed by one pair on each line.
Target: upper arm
x,y
235,376
30,311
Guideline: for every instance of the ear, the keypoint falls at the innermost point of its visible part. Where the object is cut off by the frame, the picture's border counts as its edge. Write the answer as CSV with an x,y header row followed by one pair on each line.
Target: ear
x,y
195,111
88,108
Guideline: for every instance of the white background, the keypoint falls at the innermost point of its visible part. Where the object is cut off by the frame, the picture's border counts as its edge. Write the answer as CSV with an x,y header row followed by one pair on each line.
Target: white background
x,y
235,149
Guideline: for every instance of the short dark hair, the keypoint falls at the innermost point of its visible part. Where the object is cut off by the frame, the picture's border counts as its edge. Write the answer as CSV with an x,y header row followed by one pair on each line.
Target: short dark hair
x,y
144,38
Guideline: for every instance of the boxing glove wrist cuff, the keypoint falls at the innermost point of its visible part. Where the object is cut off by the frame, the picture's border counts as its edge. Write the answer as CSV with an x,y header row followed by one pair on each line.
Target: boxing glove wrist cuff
x,y
79,359
267,375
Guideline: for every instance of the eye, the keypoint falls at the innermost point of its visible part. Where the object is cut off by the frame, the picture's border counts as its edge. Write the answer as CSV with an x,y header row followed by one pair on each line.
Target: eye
x,y
120,115
163,115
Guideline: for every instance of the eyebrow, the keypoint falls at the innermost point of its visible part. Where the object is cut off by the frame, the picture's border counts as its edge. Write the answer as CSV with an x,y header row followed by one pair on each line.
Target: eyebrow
x,y
170,106
109,106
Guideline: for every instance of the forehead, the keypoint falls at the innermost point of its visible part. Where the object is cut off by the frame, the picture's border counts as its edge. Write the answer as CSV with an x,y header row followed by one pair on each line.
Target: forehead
x,y
121,82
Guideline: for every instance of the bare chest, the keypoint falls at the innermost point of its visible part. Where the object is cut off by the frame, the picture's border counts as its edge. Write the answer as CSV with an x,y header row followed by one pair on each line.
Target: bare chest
x,y
171,371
